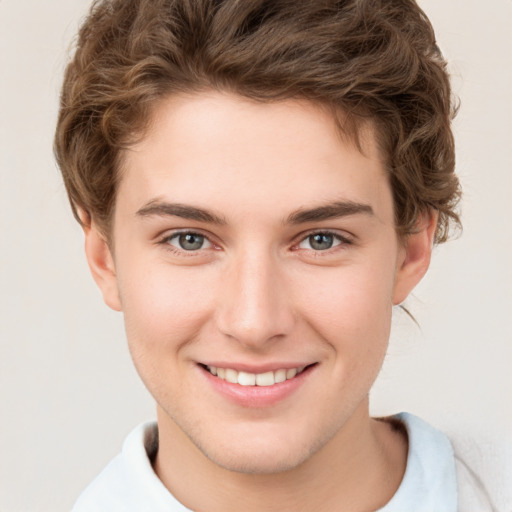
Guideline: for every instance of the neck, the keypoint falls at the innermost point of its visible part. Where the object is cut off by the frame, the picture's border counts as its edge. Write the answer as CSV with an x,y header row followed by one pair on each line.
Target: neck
x,y
360,468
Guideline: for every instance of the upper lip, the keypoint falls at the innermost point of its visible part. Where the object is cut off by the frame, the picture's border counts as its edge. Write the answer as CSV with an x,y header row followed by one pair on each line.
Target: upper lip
x,y
256,368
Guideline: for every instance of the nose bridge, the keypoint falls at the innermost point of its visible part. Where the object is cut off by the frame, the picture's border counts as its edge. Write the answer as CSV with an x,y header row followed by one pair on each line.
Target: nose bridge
x,y
253,306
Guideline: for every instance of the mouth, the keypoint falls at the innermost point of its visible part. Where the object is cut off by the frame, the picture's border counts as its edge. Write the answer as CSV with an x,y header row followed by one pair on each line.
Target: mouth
x,y
260,388
265,379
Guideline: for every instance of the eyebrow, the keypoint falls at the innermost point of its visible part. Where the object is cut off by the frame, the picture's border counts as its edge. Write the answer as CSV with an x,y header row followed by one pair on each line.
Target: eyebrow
x,y
328,211
163,209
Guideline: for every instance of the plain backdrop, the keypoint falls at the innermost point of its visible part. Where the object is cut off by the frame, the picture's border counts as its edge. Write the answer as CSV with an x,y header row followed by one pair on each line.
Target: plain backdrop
x,y
68,392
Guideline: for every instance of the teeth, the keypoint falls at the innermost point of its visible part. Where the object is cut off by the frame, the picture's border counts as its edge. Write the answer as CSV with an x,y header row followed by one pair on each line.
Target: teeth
x,y
254,379
291,373
280,376
265,379
231,376
246,379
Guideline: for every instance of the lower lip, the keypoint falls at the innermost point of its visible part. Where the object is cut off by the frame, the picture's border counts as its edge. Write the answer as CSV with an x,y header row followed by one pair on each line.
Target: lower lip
x,y
257,396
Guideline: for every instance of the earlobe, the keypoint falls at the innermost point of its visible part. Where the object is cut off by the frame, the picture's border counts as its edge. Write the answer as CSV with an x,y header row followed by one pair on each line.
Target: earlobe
x,y
101,264
415,257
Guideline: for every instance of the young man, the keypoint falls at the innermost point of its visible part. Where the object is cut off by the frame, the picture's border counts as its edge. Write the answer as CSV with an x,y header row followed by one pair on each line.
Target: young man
x,y
259,184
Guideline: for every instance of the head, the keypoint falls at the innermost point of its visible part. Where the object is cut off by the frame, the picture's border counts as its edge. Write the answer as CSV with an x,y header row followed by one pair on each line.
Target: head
x,y
369,63
205,146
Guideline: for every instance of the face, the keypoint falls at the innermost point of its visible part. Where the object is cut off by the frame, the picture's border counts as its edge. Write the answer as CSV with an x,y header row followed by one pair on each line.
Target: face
x,y
252,242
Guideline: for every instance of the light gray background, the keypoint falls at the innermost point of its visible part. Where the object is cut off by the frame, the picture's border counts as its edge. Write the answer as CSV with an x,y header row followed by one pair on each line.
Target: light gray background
x,y
68,392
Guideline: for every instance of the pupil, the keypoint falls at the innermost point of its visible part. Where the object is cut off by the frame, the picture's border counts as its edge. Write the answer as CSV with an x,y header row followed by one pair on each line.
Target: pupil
x,y
191,242
321,241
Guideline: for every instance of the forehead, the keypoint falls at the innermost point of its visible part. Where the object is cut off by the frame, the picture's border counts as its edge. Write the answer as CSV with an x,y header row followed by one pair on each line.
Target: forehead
x,y
228,152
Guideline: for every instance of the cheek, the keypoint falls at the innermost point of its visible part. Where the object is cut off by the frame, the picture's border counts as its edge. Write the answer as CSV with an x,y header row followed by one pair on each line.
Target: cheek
x,y
164,312
355,300
163,307
351,312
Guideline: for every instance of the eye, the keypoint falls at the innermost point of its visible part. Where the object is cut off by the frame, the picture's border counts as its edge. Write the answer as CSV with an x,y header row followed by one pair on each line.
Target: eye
x,y
188,241
321,241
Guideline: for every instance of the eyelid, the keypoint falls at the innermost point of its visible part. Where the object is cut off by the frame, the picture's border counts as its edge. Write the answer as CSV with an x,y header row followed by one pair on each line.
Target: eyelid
x,y
344,239
169,235
206,242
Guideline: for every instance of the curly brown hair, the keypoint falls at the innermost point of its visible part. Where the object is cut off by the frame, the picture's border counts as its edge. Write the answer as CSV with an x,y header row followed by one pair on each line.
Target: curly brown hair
x,y
368,60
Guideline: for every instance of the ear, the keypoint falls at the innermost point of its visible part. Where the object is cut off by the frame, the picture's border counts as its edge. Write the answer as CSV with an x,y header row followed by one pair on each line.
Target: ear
x,y
414,258
101,264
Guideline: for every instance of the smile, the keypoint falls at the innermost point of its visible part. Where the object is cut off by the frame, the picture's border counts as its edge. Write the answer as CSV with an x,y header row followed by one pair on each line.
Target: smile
x,y
262,387
255,379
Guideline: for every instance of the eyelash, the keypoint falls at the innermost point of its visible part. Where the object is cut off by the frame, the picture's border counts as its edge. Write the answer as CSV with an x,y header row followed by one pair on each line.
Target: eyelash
x,y
342,242
165,241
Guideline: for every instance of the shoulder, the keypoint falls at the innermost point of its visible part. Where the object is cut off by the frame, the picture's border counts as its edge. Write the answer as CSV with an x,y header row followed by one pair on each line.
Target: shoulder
x,y
452,472
106,490
128,483
429,483
484,472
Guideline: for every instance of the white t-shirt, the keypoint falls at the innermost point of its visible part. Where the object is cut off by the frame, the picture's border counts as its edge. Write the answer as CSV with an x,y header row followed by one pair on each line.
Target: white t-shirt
x,y
435,480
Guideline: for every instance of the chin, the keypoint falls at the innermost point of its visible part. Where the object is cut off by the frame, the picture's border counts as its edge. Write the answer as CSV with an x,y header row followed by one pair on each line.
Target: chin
x,y
267,453
250,461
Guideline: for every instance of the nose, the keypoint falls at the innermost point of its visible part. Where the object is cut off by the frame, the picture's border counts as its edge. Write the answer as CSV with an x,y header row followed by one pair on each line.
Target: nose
x,y
253,305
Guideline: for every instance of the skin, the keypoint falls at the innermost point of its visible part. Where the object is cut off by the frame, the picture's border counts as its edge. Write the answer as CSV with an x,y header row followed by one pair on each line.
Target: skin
x,y
257,292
